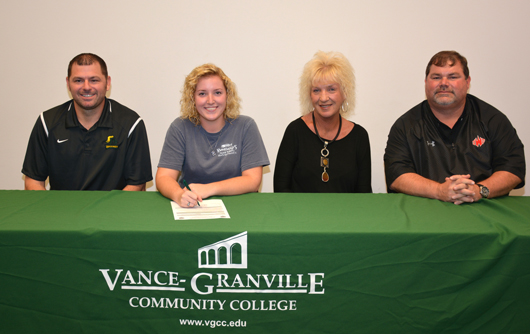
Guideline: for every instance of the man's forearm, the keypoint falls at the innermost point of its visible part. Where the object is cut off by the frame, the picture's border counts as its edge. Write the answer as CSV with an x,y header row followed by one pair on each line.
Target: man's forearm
x,y
32,184
500,183
416,185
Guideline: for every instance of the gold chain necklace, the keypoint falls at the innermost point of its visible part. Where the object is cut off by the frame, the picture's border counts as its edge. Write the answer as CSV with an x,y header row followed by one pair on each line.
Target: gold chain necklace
x,y
324,160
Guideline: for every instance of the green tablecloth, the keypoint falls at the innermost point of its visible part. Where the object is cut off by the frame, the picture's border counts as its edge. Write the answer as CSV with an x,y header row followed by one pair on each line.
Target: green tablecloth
x,y
95,262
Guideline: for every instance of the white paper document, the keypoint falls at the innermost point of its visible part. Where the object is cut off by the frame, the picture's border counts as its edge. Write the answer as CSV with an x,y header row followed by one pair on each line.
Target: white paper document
x,y
209,209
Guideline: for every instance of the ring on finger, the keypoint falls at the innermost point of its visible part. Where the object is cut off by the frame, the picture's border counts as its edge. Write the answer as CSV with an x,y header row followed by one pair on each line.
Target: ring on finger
x,y
189,203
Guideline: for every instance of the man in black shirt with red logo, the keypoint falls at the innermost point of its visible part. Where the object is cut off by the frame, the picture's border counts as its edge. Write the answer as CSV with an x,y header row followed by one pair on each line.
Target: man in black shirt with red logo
x,y
90,142
453,147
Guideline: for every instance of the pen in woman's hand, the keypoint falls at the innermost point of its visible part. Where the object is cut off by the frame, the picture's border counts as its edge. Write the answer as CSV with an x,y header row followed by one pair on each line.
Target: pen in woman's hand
x,y
188,187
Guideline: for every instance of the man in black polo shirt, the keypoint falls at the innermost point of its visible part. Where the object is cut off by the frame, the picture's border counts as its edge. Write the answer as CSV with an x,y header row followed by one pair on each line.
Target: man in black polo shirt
x,y
453,147
89,142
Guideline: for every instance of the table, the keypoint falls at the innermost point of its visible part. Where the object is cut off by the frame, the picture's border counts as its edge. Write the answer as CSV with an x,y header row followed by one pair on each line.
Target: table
x,y
118,262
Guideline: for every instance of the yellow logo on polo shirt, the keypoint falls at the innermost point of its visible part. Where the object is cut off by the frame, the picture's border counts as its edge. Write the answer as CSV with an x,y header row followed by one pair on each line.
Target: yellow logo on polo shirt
x,y
111,142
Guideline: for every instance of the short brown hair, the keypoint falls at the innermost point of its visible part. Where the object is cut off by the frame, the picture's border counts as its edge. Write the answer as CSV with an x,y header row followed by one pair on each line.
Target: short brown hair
x,y
443,58
84,59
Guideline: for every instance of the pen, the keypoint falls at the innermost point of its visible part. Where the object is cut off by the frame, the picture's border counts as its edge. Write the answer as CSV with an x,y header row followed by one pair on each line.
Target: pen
x,y
188,187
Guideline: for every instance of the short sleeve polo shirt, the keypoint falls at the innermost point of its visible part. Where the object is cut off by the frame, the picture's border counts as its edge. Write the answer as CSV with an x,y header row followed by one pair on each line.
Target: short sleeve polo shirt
x,y
112,154
481,143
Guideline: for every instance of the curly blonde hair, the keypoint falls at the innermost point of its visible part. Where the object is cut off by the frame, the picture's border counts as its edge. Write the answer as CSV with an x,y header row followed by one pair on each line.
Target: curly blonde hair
x,y
187,102
323,68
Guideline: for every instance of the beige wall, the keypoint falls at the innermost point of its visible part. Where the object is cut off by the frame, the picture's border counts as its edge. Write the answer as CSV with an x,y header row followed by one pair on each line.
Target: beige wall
x,y
262,45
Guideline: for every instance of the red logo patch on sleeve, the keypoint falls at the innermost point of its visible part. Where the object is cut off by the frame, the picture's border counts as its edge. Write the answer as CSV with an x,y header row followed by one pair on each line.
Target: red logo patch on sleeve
x,y
478,142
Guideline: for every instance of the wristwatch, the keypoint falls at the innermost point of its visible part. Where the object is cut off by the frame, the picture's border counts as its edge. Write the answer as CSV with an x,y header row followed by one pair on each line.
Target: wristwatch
x,y
484,191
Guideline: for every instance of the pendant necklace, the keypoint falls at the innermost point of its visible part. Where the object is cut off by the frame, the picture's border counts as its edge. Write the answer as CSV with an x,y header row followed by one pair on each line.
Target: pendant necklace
x,y
324,160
